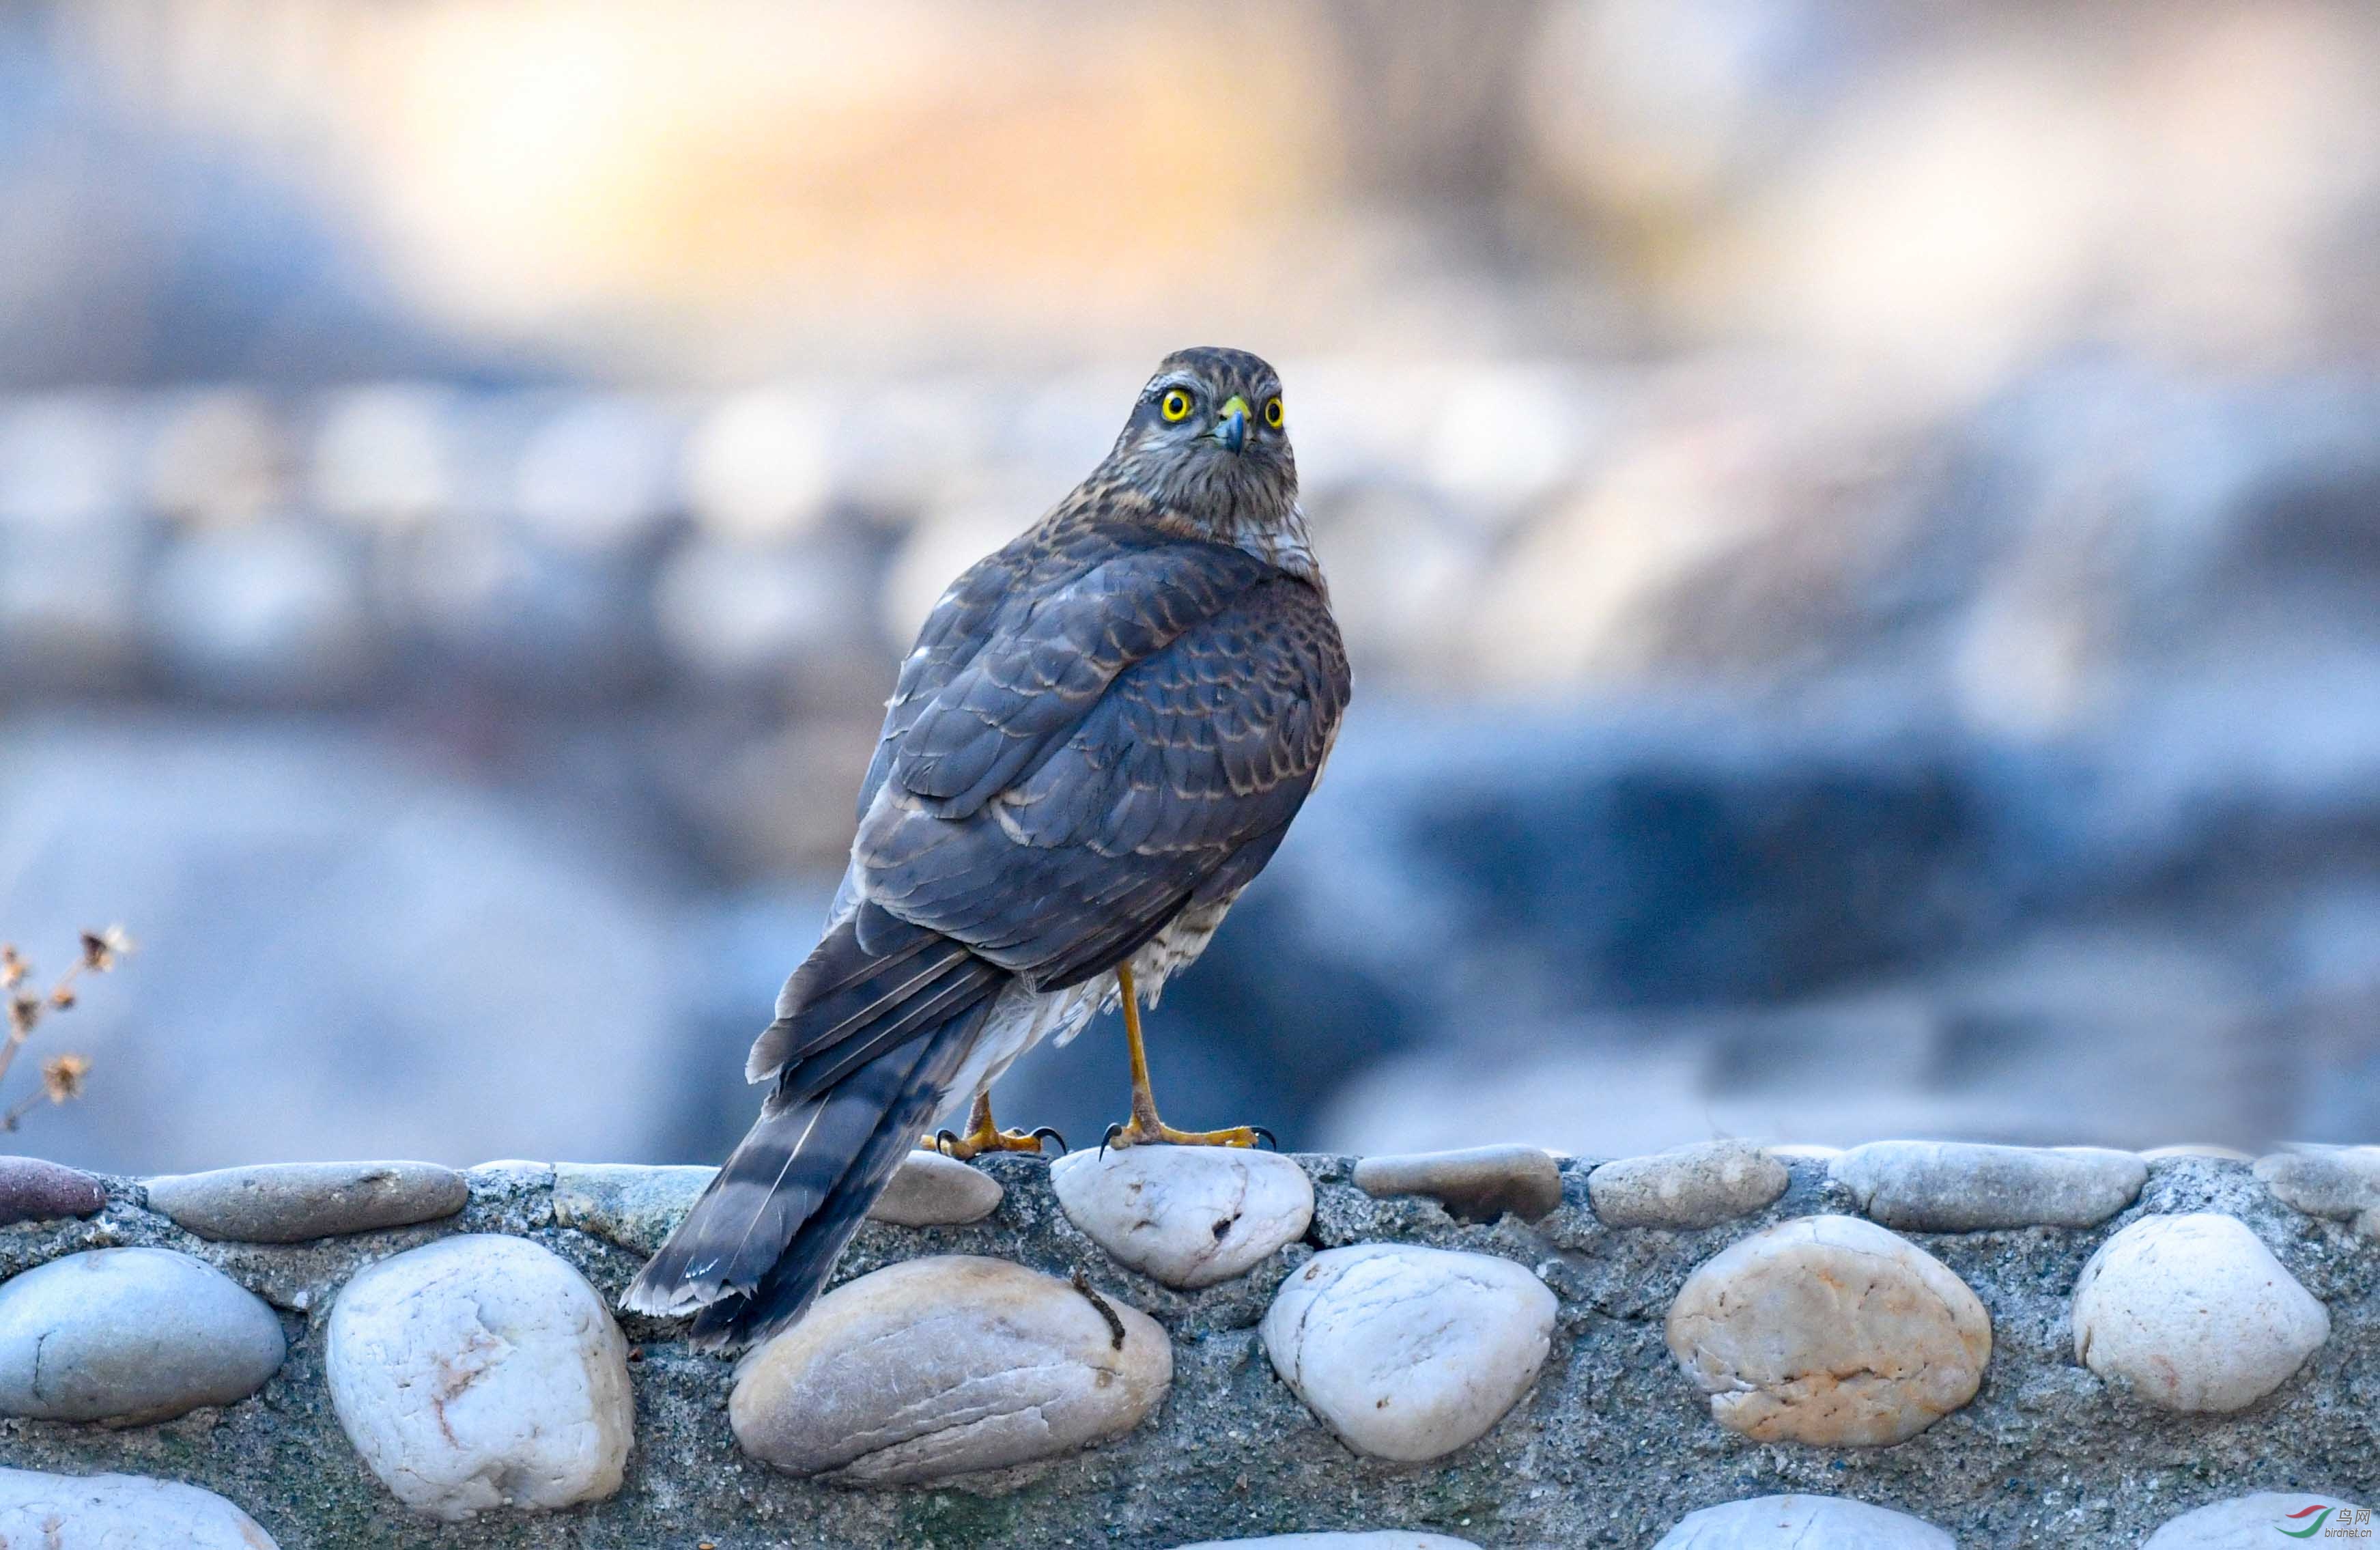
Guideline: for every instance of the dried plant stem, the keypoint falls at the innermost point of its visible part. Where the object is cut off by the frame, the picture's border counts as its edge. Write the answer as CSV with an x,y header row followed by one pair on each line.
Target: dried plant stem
x,y
22,1029
21,1107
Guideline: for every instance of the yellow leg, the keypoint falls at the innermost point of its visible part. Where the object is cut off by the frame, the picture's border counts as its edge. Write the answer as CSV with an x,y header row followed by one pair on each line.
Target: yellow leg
x,y
984,1136
1146,1127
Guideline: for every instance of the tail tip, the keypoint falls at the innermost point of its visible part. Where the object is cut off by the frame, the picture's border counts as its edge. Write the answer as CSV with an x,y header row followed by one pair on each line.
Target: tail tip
x,y
668,1298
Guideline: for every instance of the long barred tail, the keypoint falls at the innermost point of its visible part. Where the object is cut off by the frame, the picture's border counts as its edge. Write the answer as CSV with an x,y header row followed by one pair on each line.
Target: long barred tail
x,y
762,1241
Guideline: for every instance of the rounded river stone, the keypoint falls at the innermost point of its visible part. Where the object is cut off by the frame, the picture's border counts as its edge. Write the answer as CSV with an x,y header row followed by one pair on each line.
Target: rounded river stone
x,y
1818,1522
930,1190
1375,1539
1479,1184
1938,1186
2192,1313
118,1512
948,1366
1190,1216
291,1202
1829,1330
34,1191
1696,1185
2259,1522
130,1335
478,1373
1409,1353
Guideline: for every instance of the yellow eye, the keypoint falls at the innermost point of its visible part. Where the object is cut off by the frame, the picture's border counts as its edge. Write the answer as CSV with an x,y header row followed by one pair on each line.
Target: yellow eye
x,y
1272,411
1176,404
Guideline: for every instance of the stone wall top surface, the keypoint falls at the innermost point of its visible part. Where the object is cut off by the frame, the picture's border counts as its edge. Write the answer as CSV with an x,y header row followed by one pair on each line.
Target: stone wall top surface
x,y
1613,1444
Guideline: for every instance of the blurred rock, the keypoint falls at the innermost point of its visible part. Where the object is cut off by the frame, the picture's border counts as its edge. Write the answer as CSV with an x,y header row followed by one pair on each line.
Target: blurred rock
x,y
548,622
67,461
736,610
268,611
220,458
71,607
382,455
598,474
940,548
759,467
1405,571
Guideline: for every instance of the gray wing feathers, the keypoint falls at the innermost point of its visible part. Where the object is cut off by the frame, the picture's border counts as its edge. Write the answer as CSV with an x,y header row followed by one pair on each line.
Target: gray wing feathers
x,y
1204,747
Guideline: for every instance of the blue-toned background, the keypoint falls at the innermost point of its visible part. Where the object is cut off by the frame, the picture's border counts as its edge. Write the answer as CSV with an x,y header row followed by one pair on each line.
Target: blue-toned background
x,y
1859,529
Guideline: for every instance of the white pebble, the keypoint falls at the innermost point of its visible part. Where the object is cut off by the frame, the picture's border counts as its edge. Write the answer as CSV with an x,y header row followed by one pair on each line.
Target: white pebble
x,y
947,1366
2336,1181
1409,1353
1948,1186
131,1335
1377,1539
118,1512
1696,1185
929,1190
1190,1216
1829,1330
1835,1522
2256,1522
482,1371
2192,1313
1478,1183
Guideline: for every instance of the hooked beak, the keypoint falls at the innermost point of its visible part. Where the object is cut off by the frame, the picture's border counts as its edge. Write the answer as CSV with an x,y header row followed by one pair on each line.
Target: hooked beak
x,y
1232,422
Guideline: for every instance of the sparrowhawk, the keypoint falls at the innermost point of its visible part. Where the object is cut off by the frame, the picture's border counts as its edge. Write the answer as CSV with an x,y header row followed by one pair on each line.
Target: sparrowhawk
x,y
1101,736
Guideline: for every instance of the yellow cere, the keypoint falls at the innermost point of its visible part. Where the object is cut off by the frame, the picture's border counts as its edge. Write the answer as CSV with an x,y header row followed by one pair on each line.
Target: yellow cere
x,y
1176,405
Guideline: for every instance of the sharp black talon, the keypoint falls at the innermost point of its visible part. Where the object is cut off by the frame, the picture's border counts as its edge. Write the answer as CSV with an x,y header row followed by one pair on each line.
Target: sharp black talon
x,y
944,1140
1113,1132
1267,1136
1054,1135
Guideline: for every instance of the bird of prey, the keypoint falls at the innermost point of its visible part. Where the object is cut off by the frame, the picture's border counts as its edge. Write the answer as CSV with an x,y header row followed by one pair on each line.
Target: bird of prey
x,y
1101,736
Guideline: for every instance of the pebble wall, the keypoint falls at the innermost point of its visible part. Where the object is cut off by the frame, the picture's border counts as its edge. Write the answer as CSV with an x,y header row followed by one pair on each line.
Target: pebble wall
x,y
1909,1344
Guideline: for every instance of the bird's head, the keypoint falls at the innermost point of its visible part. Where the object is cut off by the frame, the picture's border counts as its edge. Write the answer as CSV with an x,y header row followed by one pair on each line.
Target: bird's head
x,y
1208,444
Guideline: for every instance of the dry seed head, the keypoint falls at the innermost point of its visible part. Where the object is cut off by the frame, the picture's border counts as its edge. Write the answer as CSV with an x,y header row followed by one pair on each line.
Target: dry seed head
x,y
62,1077
102,948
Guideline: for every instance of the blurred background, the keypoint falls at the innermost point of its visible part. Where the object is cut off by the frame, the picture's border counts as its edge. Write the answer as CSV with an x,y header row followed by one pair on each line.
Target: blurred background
x,y
1858,526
